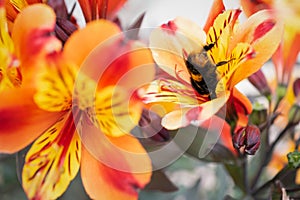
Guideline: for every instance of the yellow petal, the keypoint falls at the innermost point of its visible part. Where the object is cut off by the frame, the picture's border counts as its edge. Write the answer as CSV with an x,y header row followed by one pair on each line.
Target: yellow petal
x,y
164,90
240,54
115,113
176,119
55,87
52,161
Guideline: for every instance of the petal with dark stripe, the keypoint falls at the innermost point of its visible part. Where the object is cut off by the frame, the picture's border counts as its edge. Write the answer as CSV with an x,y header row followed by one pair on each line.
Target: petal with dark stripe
x,y
53,160
115,112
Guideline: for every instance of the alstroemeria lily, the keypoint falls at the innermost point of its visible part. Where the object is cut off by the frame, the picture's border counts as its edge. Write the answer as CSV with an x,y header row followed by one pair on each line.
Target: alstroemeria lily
x,y
236,50
286,55
63,103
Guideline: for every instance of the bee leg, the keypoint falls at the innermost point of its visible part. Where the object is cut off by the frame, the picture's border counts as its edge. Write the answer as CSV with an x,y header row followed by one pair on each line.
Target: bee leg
x,y
209,46
224,62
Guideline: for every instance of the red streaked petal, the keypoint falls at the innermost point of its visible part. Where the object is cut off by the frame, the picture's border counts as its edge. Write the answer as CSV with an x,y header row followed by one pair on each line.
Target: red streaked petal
x,y
251,7
112,167
32,34
98,9
111,150
21,120
196,114
52,161
104,182
264,46
103,64
216,9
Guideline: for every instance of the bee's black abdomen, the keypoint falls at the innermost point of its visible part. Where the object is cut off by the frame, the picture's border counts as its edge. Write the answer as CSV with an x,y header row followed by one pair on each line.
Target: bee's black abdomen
x,y
203,74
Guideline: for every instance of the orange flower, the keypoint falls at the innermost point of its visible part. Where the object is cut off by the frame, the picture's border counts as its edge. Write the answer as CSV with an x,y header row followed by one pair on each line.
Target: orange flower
x,y
286,55
72,118
206,66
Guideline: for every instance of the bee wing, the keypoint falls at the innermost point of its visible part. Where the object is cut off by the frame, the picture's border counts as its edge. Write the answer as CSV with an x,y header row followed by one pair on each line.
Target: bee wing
x,y
169,41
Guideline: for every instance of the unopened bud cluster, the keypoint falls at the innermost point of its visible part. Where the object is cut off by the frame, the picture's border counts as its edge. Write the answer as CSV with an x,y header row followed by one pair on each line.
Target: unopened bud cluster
x,y
247,138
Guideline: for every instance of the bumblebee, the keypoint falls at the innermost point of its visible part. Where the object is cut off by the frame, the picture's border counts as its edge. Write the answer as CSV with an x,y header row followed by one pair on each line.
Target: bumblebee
x,y
203,72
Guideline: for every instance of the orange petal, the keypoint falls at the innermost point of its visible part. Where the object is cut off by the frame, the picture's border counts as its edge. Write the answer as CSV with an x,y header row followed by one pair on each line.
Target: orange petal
x,y
32,34
103,64
218,124
172,41
251,7
83,41
264,32
113,7
21,120
291,48
216,9
106,52
96,10
243,100
242,106
169,91
116,168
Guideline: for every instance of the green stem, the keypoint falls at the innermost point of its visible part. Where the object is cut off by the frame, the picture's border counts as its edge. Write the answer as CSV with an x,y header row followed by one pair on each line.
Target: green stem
x,y
245,174
268,154
279,175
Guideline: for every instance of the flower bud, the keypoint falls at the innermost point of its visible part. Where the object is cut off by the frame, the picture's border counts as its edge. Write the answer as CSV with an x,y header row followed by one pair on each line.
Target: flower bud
x,y
150,123
259,114
294,114
239,138
248,138
296,87
252,139
259,81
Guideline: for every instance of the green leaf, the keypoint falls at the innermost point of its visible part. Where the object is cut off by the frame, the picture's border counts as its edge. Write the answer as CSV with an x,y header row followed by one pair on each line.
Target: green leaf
x,y
220,153
160,182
